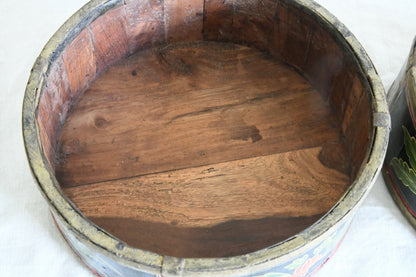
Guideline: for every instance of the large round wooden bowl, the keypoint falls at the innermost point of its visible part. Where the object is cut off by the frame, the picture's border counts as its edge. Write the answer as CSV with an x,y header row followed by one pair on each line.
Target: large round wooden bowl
x,y
192,137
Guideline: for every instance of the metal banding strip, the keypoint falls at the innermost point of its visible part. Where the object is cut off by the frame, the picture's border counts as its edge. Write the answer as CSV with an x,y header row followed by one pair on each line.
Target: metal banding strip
x,y
381,120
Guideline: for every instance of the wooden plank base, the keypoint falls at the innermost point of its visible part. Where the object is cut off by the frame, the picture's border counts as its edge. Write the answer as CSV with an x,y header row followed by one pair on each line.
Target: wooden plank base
x,y
202,149
223,240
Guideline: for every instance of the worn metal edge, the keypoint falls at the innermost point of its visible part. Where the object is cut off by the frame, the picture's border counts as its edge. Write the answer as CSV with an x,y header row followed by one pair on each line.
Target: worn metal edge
x,y
91,235
152,262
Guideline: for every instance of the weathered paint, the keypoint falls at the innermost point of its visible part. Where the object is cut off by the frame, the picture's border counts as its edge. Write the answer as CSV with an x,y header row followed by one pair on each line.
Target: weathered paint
x,y
95,246
401,101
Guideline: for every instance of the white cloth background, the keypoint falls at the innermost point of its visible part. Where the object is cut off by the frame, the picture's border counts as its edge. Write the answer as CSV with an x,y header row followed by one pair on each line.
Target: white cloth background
x,y
379,243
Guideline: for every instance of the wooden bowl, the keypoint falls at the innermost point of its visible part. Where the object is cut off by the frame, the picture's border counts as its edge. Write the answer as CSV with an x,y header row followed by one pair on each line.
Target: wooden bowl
x,y
204,137
399,167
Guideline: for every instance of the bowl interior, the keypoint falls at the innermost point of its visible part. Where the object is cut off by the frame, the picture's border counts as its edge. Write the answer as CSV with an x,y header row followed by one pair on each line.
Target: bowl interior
x,y
210,129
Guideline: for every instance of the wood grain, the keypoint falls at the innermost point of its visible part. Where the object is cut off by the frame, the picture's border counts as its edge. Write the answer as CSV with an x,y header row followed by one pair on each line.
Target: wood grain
x,y
204,148
217,210
189,105
56,101
187,143
253,23
80,63
108,35
290,184
183,20
218,20
145,23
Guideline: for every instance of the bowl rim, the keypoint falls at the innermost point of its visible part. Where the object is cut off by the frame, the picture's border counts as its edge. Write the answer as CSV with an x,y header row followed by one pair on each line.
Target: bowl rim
x,y
109,246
